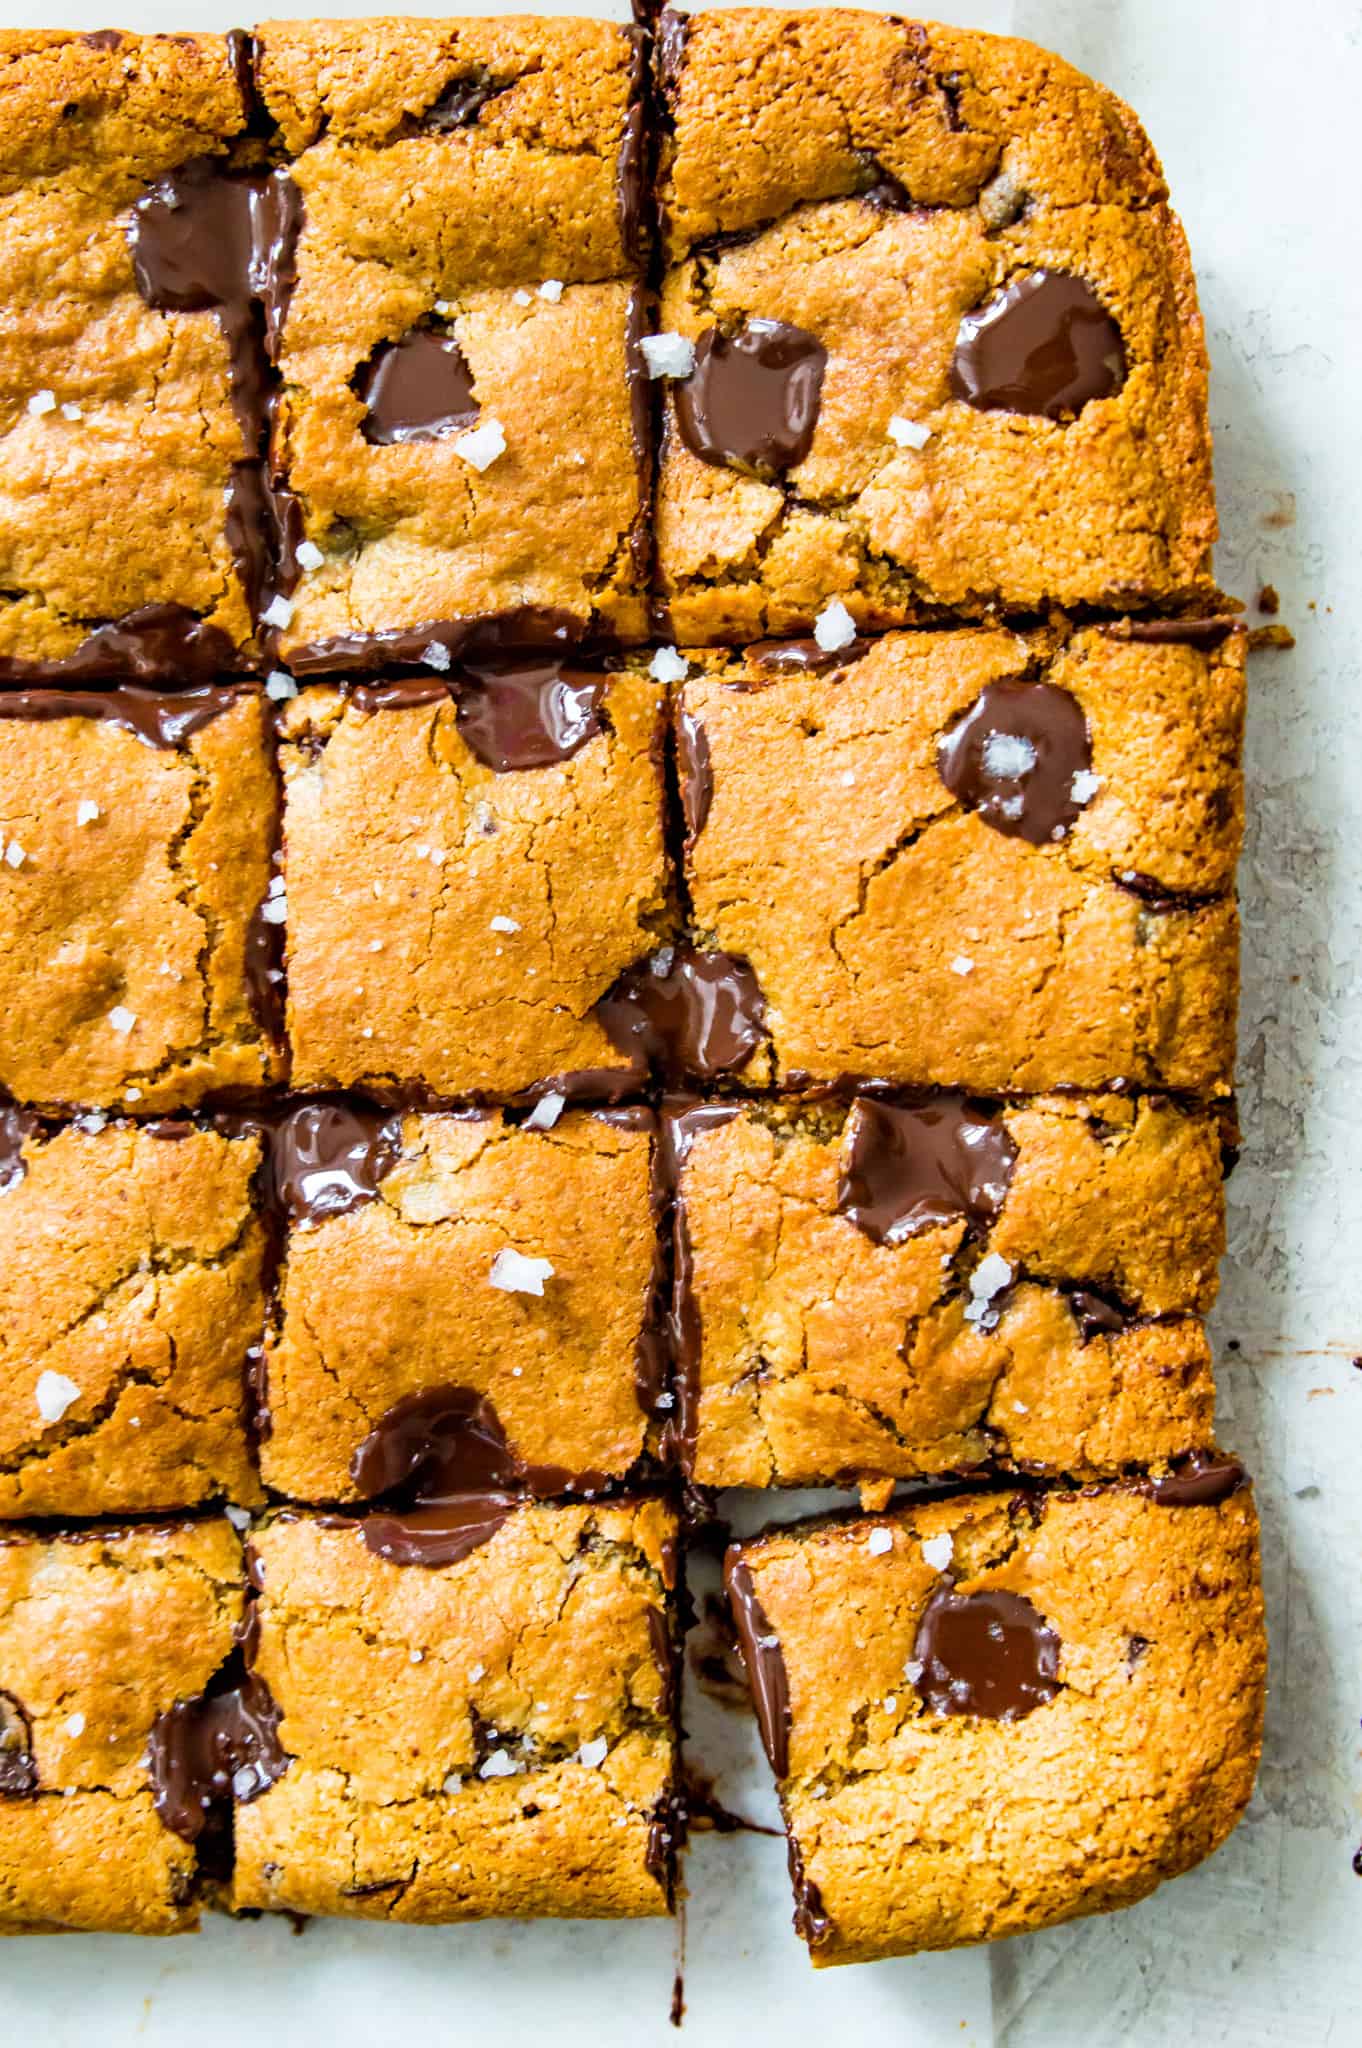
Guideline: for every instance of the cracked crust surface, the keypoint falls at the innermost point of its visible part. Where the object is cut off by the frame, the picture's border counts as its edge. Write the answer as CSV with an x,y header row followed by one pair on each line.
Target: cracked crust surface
x,y
926,1830
132,1266
123,506
398,218
856,906
394,971
145,910
398,1684
396,1297
826,1355
1008,161
113,1626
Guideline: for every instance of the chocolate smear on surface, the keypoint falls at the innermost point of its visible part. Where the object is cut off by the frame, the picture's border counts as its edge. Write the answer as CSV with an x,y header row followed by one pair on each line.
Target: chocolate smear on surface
x,y
16,1127
160,718
526,713
910,1169
215,1751
442,1534
988,1653
403,693
1013,757
751,401
778,657
328,1158
764,1661
694,771
18,1770
157,643
1045,345
415,389
690,1014
812,1922
489,633
1203,1480
434,1444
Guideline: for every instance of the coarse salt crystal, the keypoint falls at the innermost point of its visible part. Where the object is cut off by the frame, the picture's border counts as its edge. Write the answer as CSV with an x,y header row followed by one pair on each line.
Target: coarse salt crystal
x,y
308,555
889,1703
86,811
514,1273
279,687
667,355
416,1656
437,655
908,433
41,402
834,627
546,1112
478,1671
240,1518
938,1551
594,1752
552,290
278,612
247,1781
879,1542
122,1019
987,1281
71,412
444,307
498,1765
913,1669
1008,756
55,1394
962,964
667,666
74,1724
521,297
1084,786
504,924
453,1783
481,446
275,911
14,854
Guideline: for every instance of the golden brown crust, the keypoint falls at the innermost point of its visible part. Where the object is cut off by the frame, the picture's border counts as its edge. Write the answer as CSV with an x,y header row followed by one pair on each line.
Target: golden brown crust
x,y
1009,161
401,849
825,1355
894,933
132,1267
397,1297
99,1634
122,506
923,1830
145,910
400,1684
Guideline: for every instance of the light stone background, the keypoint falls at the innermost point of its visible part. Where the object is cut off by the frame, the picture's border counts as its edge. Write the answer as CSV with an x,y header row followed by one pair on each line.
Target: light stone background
x,y
1255,108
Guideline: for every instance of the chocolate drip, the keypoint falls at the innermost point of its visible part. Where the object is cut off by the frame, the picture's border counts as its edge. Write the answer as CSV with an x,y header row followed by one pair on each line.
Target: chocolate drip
x,y
217,1750
527,713
1045,345
988,1653
762,1655
442,1534
159,718
157,643
1200,1481
812,1922
1207,634
1013,757
806,656
907,1170
680,1129
415,389
328,1158
695,773
490,633
16,1127
751,402
461,102
690,1014
18,1768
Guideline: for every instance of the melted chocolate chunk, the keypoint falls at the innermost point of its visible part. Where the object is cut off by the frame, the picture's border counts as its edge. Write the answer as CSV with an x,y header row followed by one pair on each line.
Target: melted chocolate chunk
x,y
695,772
103,39
805,656
812,1922
1045,345
1096,1314
488,634
986,1653
415,389
1152,893
1013,757
691,1014
407,694
330,1157
157,643
16,1127
524,713
462,100
220,1749
443,1534
751,402
765,1663
907,1170
1206,634
158,717
436,1444
18,1770
1201,1481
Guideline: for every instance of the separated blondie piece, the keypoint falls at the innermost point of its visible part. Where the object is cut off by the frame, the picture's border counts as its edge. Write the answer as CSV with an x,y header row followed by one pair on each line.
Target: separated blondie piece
x,y
122,1693
137,942
905,1287
1010,866
479,1718
461,1302
131,1292
143,243
464,420
470,867
937,334
1005,1710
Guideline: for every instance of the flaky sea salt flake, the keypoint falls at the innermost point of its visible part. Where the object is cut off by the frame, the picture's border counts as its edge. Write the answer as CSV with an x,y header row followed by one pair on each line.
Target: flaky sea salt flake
x,y
55,1394
546,1112
308,555
481,445
908,433
504,924
667,355
552,290
834,628
879,1542
41,402
593,1752
436,655
278,612
515,1273
667,666
938,1551
122,1020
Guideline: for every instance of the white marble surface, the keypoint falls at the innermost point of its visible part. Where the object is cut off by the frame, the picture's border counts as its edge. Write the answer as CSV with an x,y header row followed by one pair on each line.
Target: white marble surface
x,y
1252,107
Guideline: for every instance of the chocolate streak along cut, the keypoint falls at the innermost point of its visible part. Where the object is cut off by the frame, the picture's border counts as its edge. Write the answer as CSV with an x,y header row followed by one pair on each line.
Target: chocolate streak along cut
x,y
18,1770
1013,755
751,402
473,638
694,772
160,718
910,1169
156,643
1045,345
803,657
1200,1481
765,1662
328,1158
989,1654
679,1130
444,1534
699,1018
